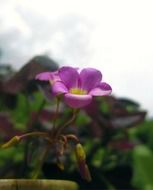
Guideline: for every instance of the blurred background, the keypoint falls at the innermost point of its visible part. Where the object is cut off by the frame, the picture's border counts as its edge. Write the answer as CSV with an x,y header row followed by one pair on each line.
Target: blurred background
x,y
116,131
113,36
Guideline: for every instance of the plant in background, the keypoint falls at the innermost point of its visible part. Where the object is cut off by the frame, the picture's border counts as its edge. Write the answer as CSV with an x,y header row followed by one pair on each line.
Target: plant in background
x,y
108,127
77,89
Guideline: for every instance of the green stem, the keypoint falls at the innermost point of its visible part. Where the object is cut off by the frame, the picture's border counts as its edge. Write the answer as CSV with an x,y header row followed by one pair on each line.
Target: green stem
x,y
37,133
61,128
56,112
30,124
73,138
109,185
40,162
38,113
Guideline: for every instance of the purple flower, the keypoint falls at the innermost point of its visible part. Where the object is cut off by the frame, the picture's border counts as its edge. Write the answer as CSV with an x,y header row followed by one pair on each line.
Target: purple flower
x,y
48,76
79,88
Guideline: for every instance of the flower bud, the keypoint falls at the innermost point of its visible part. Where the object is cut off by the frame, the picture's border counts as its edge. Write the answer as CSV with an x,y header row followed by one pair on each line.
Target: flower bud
x,y
11,142
80,153
81,159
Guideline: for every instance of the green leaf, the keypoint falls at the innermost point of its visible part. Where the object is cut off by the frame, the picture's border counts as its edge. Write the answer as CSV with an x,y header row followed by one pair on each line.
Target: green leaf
x,y
21,112
36,101
82,119
104,107
98,157
143,168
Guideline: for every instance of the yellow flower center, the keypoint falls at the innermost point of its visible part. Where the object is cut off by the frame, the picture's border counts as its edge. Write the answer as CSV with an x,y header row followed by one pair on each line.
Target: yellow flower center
x,y
78,91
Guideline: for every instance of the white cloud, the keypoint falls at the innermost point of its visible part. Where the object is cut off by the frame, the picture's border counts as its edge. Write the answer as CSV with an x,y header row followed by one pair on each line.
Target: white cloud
x,y
114,36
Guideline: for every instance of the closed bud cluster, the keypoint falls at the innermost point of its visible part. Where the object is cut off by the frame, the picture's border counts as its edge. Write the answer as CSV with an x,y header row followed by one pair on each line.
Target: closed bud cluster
x,y
81,159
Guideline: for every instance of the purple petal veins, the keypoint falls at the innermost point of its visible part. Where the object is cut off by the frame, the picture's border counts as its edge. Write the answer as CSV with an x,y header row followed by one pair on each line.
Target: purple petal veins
x,y
69,76
77,101
46,76
90,78
59,88
102,89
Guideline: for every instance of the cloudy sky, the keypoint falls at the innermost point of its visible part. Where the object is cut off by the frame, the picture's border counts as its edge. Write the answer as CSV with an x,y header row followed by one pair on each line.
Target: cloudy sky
x,y
115,36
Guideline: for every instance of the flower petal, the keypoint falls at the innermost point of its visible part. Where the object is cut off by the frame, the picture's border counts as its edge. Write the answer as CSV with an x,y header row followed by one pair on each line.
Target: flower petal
x,y
59,88
77,101
101,90
69,76
90,78
45,76
55,76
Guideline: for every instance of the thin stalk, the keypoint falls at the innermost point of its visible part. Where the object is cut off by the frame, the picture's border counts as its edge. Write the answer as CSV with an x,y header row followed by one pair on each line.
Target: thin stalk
x,y
56,112
73,138
30,126
38,113
40,163
109,185
61,128
37,133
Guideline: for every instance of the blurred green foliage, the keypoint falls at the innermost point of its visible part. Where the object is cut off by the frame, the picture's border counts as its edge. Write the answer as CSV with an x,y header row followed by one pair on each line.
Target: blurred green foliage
x,y
143,168
117,137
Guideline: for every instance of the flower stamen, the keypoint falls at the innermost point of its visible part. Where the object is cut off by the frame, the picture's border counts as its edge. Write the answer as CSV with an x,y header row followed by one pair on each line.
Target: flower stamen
x,y
78,91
